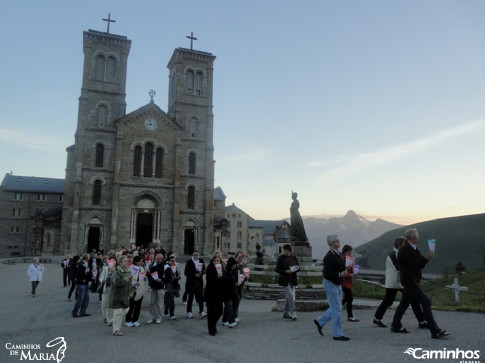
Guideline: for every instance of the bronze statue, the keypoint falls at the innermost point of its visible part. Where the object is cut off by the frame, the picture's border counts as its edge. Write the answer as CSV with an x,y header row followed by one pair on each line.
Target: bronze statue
x,y
297,228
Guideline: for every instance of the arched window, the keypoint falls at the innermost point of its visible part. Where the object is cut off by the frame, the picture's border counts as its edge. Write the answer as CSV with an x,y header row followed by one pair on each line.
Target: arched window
x,y
198,83
137,161
110,70
159,163
102,112
192,163
48,241
148,161
99,155
193,128
190,82
191,197
100,67
97,192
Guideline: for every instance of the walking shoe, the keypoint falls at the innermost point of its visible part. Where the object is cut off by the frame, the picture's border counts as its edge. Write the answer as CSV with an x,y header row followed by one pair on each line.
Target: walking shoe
x,y
203,314
236,320
342,338
319,327
158,321
137,324
293,316
190,315
286,316
379,323
110,322
173,317
226,323
399,330
129,324
232,325
150,321
441,334
423,325
352,319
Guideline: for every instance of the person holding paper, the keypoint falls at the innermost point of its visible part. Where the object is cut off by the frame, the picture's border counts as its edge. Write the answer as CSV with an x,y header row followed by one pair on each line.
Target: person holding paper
x,y
105,279
65,265
34,272
348,282
83,277
138,288
392,286
411,262
72,275
156,285
287,267
120,293
172,286
334,271
229,292
194,284
213,294
239,285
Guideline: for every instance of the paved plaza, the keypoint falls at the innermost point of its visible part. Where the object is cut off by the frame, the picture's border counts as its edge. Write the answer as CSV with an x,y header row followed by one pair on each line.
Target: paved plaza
x,y
262,336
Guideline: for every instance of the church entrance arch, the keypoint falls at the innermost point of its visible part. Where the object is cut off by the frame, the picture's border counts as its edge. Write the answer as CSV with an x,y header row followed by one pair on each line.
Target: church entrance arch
x,y
94,235
144,229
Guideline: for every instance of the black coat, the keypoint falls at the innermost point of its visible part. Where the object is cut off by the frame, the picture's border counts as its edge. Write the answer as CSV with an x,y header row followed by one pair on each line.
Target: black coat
x,y
333,264
213,291
151,282
190,272
411,262
83,274
281,267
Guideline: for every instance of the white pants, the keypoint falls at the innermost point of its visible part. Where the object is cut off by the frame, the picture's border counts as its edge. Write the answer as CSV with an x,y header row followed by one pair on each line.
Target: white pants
x,y
118,317
106,311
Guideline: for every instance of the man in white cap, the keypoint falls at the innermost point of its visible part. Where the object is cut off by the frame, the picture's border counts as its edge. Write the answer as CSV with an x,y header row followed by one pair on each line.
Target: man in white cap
x,y
333,273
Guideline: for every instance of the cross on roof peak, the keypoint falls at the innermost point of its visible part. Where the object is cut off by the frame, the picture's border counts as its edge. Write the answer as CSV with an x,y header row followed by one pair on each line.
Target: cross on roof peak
x,y
192,38
109,20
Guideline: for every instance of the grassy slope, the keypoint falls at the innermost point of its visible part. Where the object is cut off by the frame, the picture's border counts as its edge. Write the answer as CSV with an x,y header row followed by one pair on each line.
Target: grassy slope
x,y
444,299
457,239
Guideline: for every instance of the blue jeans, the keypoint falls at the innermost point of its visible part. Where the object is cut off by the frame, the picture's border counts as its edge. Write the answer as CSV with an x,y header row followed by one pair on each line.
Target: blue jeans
x,y
228,314
416,293
82,299
334,297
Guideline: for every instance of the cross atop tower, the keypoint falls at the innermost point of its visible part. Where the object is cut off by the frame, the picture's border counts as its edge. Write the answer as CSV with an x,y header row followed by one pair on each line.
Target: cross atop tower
x,y
109,20
192,38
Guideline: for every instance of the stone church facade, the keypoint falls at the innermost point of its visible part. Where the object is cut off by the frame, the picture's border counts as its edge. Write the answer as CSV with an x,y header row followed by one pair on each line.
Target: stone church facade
x,y
146,177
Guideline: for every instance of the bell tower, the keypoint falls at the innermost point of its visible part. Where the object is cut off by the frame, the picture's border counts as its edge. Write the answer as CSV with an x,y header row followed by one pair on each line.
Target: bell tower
x,y
90,161
190,104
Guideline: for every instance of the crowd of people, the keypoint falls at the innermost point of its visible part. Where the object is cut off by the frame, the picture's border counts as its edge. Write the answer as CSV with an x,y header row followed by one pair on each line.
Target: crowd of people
x,y
122,278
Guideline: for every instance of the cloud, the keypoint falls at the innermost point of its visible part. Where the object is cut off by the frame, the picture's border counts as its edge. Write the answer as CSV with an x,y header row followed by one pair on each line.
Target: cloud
x,y
36,141
356,163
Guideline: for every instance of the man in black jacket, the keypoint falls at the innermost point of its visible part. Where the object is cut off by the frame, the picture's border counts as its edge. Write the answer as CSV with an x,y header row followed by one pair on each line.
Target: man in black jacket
x,y
411,262
287,267
194,284
65,264
156,285
333,272
83,276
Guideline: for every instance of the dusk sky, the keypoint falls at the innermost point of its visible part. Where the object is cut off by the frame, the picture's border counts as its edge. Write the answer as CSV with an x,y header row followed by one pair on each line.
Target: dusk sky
x,y
375,106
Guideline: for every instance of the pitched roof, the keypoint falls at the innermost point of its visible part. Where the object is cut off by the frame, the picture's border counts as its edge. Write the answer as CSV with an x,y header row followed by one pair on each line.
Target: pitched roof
x,y
269,227
219,194
16,183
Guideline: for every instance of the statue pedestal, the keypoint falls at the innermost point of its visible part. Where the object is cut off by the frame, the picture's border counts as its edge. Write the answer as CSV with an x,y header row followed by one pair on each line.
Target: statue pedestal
x,y
303,251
